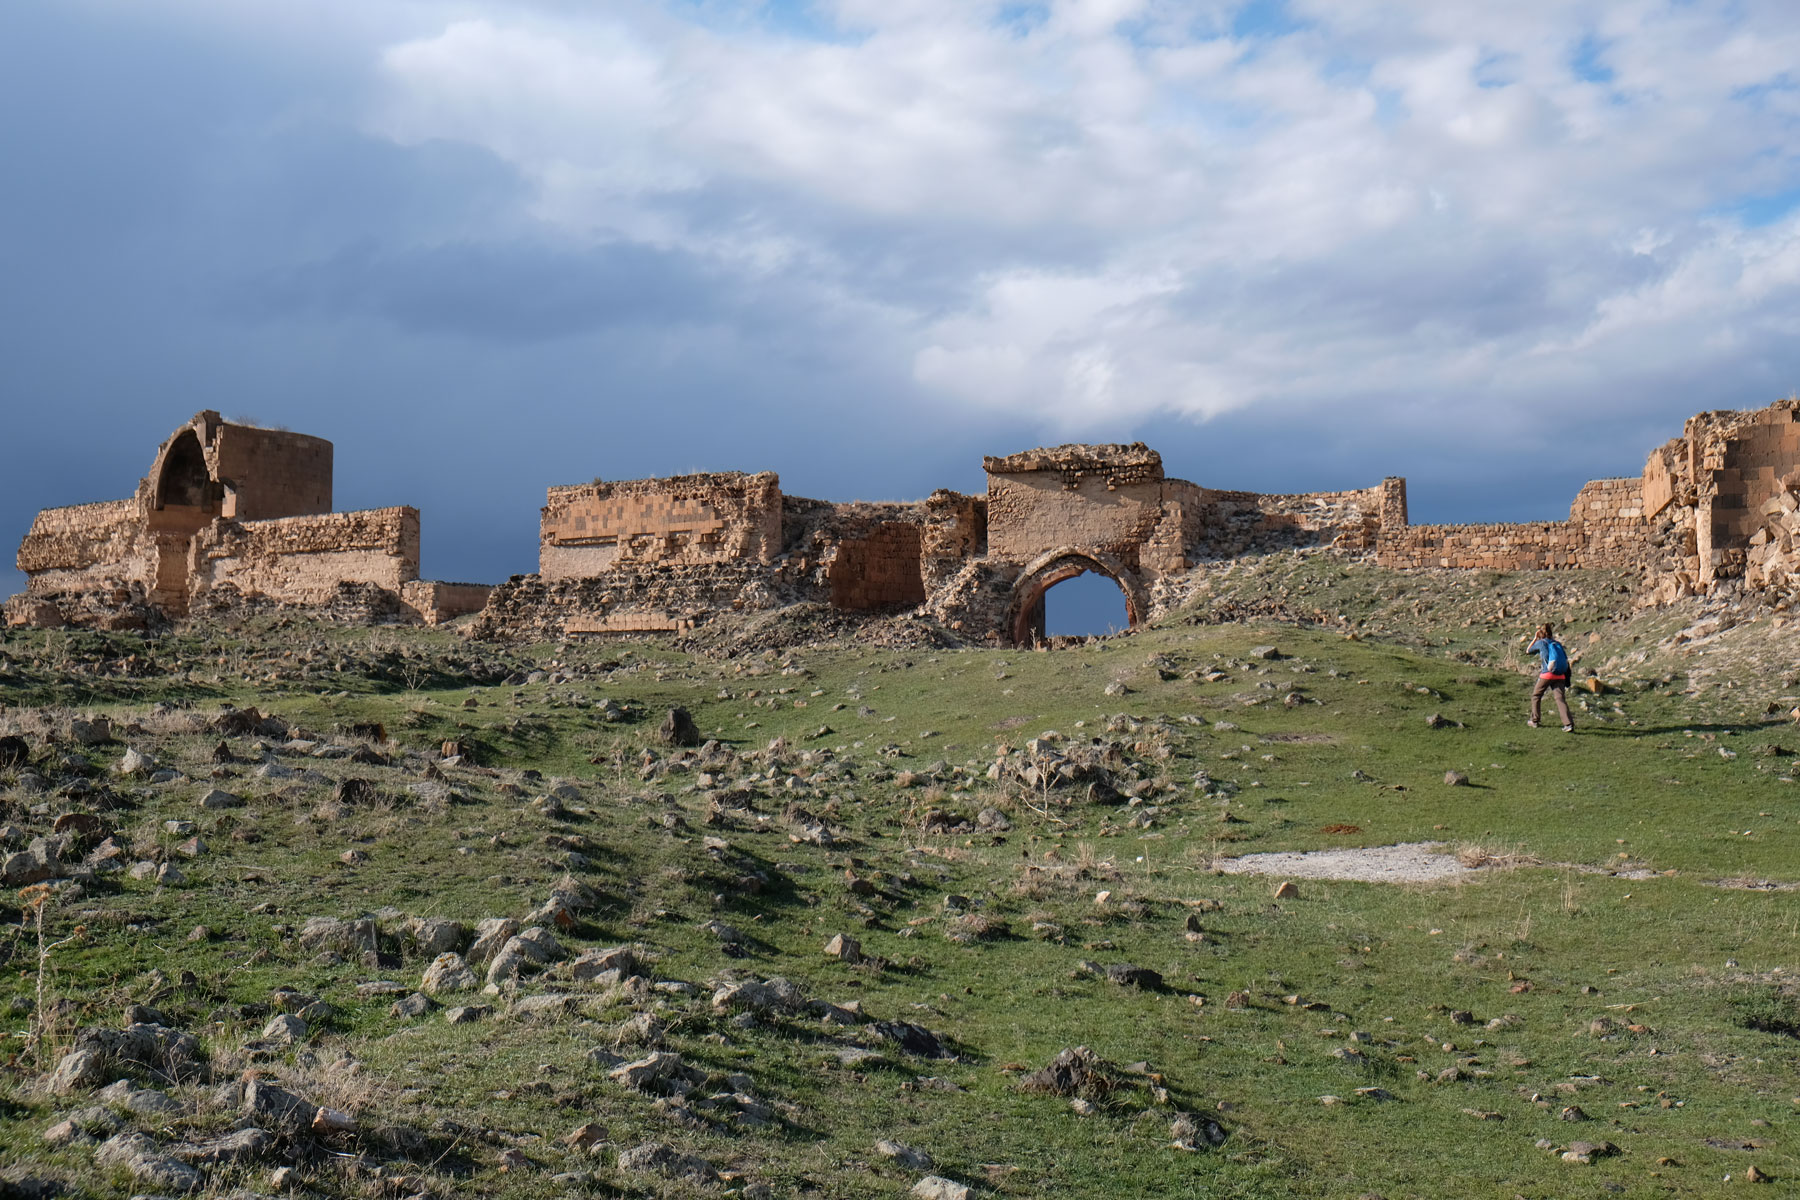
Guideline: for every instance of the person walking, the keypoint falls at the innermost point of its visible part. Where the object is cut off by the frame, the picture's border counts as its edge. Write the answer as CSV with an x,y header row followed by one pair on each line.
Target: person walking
x,y
1553,678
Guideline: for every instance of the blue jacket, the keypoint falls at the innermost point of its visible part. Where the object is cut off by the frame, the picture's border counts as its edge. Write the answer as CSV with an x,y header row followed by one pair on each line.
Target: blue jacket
x,y
1556,659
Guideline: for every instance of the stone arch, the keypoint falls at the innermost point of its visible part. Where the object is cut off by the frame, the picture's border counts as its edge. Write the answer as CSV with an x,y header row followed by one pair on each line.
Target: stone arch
x,y
1025,615
182,477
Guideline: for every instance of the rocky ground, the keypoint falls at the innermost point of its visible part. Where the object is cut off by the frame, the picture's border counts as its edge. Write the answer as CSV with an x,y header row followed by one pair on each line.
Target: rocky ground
x,y
795,910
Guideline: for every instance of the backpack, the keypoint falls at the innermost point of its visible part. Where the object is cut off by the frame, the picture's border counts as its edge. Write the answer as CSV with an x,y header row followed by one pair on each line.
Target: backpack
x,y
1556,659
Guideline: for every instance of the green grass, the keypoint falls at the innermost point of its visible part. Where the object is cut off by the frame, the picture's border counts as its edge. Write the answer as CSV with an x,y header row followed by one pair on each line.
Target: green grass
x,y
1705,973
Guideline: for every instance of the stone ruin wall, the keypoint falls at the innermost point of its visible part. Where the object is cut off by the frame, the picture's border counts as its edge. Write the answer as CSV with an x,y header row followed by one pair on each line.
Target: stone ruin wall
x,y
230,518
1719,506
662,555
302,560
667,554
1719,503
1606,528
1108,499
588,529
85,547
1228,524
211,468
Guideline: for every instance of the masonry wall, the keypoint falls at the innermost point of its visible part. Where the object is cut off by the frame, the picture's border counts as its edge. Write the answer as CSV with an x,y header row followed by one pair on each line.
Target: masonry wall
x,y
879,571
667,597
270,473
434,601
588,529
1532,546
1225,524
84,547
1106,498
955,529
302,560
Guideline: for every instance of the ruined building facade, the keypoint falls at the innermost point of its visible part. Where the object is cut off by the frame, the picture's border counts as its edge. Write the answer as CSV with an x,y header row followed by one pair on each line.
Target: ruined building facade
x,y
229,515
665,554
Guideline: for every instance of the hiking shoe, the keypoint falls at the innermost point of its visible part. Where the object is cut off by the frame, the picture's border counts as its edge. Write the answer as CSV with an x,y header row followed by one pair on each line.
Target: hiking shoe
x,y
1568,729
1532,724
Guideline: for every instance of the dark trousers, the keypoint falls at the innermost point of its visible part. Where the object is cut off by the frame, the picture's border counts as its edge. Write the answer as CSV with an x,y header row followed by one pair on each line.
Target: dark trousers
x,y
1558,689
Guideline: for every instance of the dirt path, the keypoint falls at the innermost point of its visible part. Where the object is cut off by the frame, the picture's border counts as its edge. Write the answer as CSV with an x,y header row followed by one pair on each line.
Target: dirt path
x,y
1413,862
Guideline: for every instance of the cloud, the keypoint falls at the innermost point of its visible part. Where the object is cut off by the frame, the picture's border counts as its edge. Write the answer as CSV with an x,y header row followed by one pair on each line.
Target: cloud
x,y
1121,212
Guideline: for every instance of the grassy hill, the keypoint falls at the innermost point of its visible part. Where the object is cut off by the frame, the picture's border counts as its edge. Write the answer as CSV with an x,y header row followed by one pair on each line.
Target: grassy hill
x,y
1025,848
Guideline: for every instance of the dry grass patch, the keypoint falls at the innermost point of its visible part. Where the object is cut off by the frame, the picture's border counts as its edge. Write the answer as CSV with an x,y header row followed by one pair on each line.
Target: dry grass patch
x,y
1475,856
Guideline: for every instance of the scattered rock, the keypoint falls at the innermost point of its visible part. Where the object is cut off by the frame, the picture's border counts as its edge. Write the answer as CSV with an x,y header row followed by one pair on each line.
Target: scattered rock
x,y
936,1187
651,1069
532,948
432,936
1127,975
416,1005
77,1071
138,1155
1455,779
662,1159
216,798
678,729
275,1107
447,973
345,937
490,935
1077,1071
904,1155
1287,889
96,732
846,949
1191,1132
608,965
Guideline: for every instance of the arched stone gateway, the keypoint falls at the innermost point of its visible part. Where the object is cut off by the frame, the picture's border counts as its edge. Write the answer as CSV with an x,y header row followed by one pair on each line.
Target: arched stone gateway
x,y
1025,615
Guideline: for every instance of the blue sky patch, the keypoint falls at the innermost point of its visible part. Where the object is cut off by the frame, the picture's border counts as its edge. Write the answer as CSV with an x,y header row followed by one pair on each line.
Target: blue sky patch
x,y
1265,19
1754,212
1588,60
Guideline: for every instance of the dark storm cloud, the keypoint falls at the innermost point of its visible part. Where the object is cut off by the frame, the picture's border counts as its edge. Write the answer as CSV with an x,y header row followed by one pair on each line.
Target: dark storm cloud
x,y
499,292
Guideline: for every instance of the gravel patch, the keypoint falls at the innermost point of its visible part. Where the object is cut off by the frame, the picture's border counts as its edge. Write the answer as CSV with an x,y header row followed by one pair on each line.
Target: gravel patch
x,y
1413,862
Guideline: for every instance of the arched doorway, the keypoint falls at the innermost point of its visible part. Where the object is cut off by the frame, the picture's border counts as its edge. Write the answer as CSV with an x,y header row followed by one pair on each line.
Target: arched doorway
x,y
186,498
1087,605
183,481
1025,619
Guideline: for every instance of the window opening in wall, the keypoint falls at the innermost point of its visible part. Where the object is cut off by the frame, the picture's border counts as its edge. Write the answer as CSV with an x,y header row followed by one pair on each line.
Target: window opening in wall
x,y
1087,605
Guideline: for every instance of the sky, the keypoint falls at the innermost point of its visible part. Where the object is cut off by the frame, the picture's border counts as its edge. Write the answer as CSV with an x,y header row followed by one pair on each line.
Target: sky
x,y
1295,245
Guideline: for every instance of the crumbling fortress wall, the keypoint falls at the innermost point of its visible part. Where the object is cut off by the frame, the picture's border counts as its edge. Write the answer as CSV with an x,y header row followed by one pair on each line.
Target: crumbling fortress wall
x,y
1720,500
232,515
1719,506
229,515
666,554
1606,528
590,528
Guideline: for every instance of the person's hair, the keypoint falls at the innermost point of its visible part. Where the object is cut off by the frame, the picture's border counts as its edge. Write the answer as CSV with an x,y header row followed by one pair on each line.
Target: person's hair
x,y
1544,630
